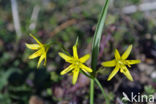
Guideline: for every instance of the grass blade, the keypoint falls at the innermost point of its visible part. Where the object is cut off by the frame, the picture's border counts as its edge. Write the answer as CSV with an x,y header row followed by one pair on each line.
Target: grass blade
x,y
95,46
16,18
97,35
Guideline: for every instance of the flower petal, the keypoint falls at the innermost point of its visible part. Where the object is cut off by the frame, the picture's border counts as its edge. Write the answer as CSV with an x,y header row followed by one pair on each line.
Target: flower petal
x,y
36,39
36,54
85,68
111,63
69,68
117,55
40,60
127,73
116,69
45,61
32,46
84,58
45,55
75,75
65,57
127,52
133,61
75,52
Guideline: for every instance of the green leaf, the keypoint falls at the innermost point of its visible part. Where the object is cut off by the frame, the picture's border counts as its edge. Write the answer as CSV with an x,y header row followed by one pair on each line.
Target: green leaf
x,y
95,46
4,75
5,98
97,35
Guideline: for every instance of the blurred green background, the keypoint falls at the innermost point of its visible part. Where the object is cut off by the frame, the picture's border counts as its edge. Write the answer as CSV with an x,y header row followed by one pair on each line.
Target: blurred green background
x,y
61,21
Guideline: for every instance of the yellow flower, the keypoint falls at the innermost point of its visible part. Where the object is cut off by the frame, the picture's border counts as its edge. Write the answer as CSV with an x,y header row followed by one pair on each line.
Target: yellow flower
x,y
41,50
120,63
76,64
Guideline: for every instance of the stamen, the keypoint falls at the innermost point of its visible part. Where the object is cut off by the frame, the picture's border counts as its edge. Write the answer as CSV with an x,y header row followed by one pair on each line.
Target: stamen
x,y
76,63
127,63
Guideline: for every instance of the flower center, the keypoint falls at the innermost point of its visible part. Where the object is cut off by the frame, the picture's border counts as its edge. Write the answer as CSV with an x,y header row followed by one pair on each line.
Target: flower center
x,y
76,63
123,62
120,62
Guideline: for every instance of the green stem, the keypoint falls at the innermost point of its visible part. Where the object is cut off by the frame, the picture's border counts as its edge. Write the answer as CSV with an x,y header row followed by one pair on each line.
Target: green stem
x,y
102,90
95,46
87,74
92,91
92,78
50,43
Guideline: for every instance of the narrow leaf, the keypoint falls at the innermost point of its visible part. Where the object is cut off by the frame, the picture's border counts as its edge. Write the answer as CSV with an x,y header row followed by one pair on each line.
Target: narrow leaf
x,y
97,35
95,46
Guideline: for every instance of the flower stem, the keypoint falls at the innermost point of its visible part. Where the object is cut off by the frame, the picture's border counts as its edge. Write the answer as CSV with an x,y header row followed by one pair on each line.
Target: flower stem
x,y
92,91
96,45
102,90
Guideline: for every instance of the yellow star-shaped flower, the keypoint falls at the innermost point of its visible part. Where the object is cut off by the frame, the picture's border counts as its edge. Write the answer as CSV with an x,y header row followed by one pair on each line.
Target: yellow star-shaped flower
x,y
76,64
41,50
120,63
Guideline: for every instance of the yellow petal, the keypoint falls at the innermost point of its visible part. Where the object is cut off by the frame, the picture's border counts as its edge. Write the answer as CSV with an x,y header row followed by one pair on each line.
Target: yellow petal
x,y
84,58
45,55
133,61
36,39
65,57
40,60
111,63
85,68
69,68
75,75
45,58
75,52
32,46
127,52
127,73
117,55
116,69
36,54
